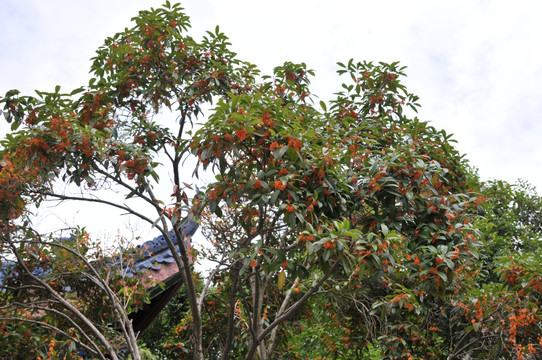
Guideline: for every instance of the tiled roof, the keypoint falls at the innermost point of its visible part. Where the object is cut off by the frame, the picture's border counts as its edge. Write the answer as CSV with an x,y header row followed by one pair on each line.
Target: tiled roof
x,y
5,267
156,253
157,258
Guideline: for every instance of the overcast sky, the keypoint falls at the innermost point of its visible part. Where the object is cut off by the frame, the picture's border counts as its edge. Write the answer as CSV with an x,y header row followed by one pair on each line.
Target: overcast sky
x,y
476,65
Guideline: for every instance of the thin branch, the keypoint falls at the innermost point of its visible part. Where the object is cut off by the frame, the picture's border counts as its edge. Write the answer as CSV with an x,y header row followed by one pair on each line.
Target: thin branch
x,y
182,263
132,189
55,329
231,310
205,290
66,304
67,318
119,311
100,201
289,312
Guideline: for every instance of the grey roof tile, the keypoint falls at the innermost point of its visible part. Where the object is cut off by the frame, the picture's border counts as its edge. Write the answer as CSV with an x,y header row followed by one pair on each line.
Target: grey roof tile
x,y
156,253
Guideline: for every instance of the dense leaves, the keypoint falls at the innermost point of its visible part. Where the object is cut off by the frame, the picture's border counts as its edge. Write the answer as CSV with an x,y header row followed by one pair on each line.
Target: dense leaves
x,y
358,196
348,229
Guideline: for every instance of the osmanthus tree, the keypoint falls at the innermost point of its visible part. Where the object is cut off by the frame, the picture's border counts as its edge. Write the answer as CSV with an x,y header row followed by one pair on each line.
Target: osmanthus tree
x,y
351,209
360,213
506,303
99,138
495,312
358,204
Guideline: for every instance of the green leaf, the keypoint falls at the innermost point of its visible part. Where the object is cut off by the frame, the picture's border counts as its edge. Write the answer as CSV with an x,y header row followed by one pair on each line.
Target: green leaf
x,y
291,220
443,249
274,197
279,152
323,106
442,275
281,280
12,93
310,248
300,217
76,91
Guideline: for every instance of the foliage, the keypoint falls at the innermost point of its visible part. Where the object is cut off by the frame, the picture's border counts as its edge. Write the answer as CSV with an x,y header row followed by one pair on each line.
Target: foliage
x,y
45,304
339,230
505,302
358,196
513,222
162,331
104,136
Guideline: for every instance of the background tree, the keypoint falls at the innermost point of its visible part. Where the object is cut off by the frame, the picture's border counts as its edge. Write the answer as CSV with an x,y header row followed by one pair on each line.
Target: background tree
x,y
45,307
504,301
512,224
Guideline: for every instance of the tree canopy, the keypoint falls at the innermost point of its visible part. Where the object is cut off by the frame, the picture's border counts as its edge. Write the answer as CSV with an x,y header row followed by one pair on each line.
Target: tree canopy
x,y
347,229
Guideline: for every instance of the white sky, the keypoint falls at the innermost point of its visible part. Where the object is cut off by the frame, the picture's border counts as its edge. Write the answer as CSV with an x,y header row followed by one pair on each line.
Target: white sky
x,y
474,64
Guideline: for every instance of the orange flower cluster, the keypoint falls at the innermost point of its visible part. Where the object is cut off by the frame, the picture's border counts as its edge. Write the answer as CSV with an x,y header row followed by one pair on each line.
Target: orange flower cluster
x,y
521,320
279,185
12,183
273,146
513,273
135,167
257,185
373,184
267,120
400,297
241,134
305,237
295,144
329,245
28,164
51,348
